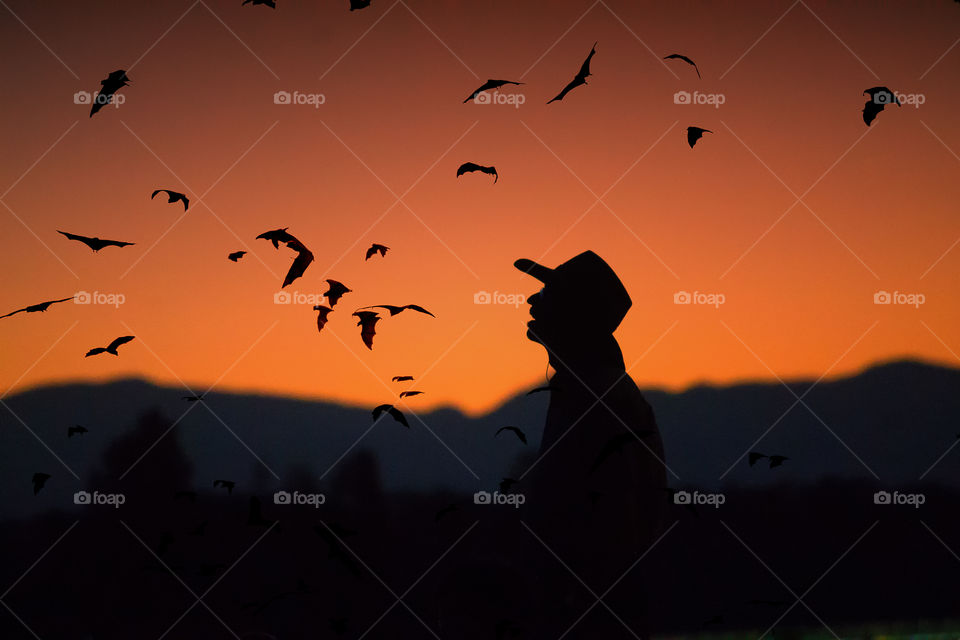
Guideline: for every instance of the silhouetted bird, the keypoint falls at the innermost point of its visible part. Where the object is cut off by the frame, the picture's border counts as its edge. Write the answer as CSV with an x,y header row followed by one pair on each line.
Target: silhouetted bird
x,y
408,378
376,248
267,3
77,429
34,308
407,394
519,433
39,480
359,4
276,237
367,323
236,255
395,309
486,86
616,445
677,56
111,348
468,167
775,460
322,312
580,78
226,484
108,87
450,508
95,243
173,196
879,98
300,263
694,134
335,292
393,411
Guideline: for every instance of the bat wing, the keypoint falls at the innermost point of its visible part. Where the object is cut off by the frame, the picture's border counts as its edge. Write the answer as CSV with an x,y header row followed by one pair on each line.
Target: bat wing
x,y
300,263
407,394
754,456
119,341
368,331
154,194
467,166
576,82
84,239
870,111
585,67
401,378
398,416
486,85
13,313
116,243
95,351
416,307
370,252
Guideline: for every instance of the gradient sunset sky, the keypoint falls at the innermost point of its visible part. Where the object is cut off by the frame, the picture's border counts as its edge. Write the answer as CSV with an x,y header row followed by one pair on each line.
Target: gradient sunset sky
x,y
793,209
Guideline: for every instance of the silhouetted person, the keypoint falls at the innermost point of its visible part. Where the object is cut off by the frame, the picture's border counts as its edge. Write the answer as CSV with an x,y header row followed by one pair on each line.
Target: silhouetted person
x,y
596,493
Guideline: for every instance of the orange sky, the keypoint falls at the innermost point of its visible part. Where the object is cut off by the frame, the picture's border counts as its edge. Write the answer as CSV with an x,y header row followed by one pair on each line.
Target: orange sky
x,y
199,117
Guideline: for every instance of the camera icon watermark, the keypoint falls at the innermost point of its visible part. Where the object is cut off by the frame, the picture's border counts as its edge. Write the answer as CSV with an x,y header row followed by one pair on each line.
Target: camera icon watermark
x,y
895,97
99,297
897,498
85,97
697,498
297,498
114,500
699,297
297,297
899,298
495,97
485,297
297,98
497,498
713,99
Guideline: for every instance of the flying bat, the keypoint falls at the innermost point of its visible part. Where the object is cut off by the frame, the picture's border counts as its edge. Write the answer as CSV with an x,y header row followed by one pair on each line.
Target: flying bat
x,y
267,3
359,4
775,460
95,243
111,348
486,86
450,508
173,196
42,306
519,433
408,378
77,429
376,248
323,311
472,166
677,56
879,98
276,237
236,255
395,309
226,484
109,86
335,292
300,263
367,323
394,413
39,479
407,394
580,78
694,134
616,445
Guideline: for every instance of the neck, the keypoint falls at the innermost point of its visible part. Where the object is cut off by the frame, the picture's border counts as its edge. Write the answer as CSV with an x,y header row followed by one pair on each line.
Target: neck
x,y
587,355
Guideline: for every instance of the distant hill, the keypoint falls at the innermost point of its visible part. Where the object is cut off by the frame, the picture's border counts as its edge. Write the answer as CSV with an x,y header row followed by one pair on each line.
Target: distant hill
x,y
897,418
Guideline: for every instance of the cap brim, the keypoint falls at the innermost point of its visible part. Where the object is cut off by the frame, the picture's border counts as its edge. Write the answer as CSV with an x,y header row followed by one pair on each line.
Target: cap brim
x,y
530,267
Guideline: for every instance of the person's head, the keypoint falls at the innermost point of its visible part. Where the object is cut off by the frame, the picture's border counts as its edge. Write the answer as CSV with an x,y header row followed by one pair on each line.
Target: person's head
x,y
580,305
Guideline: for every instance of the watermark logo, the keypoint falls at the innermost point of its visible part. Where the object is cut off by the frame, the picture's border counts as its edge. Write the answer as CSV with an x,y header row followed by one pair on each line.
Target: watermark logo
x,y
297,297
713,99
497,498
96,498
895,97
898,297
85,97
99,297
912,499
699,297
312,99
495,97
697,498
296,498
485,297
